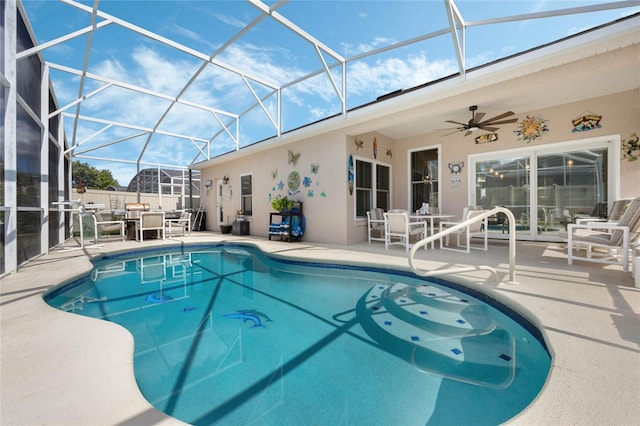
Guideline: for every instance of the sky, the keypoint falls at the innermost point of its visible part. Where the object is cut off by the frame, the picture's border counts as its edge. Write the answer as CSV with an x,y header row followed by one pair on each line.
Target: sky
x,y
268,55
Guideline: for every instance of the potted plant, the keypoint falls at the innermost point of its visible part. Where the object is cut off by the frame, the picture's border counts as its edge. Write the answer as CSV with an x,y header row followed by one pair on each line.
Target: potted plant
x,y
282,204
631,148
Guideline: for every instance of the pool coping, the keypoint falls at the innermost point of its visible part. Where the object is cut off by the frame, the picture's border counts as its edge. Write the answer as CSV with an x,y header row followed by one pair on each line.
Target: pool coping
x,y
92,360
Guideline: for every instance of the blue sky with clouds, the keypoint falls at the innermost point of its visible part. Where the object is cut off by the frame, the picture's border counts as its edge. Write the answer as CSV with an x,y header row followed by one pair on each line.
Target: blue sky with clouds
x,y
270,52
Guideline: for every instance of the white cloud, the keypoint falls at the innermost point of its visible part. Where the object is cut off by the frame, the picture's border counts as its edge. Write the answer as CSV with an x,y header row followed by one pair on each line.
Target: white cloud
x,y
351,49
229,20
391,74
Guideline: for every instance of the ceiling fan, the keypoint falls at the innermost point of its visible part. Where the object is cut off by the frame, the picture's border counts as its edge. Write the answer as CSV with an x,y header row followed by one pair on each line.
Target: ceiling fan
x,y
476,122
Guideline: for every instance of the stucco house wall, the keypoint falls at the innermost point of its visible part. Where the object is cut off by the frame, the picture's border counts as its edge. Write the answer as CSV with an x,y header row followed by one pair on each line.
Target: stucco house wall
x,y
321,163
620,117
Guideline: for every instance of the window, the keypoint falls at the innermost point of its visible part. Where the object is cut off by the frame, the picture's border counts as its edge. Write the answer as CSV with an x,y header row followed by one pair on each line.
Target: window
x,y
373,183
246,194
424,178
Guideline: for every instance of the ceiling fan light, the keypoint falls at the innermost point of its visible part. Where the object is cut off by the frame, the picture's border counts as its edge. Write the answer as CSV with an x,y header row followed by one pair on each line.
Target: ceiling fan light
x,y
473,128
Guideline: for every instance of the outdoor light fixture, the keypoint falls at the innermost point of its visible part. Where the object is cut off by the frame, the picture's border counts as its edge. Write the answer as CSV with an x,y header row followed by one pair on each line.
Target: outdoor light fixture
x,y
225,180
208,184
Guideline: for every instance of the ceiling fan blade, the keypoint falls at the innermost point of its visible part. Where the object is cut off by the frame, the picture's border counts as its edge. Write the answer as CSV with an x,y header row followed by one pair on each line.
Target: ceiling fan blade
x,y
511,120
455,122
450,133
498,117
478,117
468,132
488,129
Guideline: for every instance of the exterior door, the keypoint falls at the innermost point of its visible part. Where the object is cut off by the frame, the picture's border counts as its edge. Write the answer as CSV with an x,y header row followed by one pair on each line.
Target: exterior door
x,y
546,187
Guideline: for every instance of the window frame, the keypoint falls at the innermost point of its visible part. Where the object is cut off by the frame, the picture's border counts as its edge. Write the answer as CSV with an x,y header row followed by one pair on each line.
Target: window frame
x,y
244,196
437,180
373,190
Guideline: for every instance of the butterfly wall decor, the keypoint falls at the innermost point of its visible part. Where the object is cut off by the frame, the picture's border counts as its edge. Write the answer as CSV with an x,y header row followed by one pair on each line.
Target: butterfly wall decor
x,y
314,168
293,158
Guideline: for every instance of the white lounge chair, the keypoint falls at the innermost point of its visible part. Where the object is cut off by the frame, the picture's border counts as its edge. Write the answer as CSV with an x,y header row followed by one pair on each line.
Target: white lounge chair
x,y
612,241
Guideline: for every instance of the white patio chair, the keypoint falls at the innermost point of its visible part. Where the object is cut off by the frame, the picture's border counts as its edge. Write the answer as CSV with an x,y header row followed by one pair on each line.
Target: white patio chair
x,y
399,230
102,226
375,225
473,230
611,241
150,221
179,226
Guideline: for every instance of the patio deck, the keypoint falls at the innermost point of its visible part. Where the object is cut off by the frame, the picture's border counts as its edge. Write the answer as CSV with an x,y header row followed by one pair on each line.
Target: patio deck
x,y
58,368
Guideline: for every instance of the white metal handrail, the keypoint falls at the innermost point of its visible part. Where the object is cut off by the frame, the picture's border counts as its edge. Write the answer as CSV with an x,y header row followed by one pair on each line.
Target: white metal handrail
x,y
464,224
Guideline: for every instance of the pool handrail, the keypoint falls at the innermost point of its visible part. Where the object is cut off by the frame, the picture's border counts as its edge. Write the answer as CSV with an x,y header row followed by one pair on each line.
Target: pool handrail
x,y
464,224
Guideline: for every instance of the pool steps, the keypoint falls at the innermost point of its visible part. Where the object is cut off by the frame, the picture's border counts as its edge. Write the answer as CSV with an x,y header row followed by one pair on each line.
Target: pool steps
x,y
438,333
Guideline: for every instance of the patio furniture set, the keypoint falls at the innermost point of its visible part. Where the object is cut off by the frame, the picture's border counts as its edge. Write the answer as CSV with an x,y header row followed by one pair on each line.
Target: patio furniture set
x,y
613,240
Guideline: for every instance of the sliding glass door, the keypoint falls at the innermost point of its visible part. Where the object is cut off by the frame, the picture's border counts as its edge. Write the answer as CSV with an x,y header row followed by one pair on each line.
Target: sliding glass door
x,y
505,182
570,184
546,188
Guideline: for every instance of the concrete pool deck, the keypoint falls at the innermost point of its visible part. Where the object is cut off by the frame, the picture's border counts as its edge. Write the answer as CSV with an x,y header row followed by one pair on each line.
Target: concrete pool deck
x,y
59,368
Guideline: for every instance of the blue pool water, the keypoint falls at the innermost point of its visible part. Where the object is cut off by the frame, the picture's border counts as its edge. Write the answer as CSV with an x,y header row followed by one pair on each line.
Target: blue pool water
x,y
227,335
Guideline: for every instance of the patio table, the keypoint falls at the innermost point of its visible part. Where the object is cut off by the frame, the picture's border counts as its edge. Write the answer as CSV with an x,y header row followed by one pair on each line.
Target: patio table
x,y
430,218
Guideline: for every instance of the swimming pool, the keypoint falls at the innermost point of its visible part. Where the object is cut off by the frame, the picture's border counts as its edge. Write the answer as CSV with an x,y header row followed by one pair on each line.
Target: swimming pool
x,y
228,335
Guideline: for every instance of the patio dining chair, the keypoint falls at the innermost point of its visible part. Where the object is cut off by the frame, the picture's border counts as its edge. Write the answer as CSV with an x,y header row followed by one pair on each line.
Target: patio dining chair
x,y
473,230
150,221
399,230
103,226
375,225
179,226
605,242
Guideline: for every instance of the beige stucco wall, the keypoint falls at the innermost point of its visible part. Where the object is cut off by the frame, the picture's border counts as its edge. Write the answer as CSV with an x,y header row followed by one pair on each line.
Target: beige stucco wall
x,y
325,197
117,199
329,210
620,116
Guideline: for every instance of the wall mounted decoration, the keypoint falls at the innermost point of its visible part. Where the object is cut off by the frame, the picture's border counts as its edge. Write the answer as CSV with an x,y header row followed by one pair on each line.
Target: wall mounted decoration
x,y
586,122
631,148
389,154
359,143
456,167
350,174
531,128
280,185
274,174
323,194
375,148
293,158
314,168
293,181
486,138
306,182
455,181
310,193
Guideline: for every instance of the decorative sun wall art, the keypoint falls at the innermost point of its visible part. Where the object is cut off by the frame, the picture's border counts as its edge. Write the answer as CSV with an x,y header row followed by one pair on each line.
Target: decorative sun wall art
x,y
531,128
359,143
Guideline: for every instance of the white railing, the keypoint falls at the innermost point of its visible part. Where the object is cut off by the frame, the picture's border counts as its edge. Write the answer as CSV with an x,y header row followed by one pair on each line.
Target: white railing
x,y
464,224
